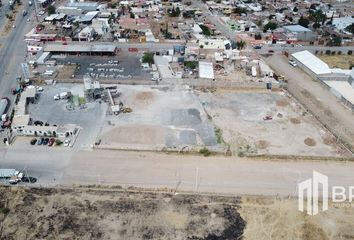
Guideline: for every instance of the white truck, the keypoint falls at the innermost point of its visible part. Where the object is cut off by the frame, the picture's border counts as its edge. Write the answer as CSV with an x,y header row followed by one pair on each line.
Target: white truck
x,y
62,95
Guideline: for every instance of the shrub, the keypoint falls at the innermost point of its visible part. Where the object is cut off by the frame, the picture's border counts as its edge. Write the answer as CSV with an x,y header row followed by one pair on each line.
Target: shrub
x,y
4,210
339,52
328,52
350,52
205,152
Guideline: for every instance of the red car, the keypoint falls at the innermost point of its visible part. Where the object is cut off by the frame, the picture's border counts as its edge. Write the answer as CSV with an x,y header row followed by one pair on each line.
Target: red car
x,y
51,142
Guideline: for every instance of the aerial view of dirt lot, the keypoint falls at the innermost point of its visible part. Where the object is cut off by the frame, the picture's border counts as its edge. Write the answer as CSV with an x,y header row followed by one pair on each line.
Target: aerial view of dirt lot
x,y
114,213
267,123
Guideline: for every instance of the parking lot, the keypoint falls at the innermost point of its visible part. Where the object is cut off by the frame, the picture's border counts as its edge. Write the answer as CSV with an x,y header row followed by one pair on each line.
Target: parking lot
x,y
88,116
123,66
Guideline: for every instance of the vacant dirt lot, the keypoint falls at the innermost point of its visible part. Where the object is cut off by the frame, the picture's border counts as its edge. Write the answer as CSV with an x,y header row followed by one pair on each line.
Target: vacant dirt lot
x,y
161,118
322,103
114,213
288,130
338,61
273,219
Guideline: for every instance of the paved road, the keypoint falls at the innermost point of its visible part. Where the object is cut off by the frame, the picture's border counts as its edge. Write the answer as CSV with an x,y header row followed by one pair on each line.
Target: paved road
x,y
12,54
63,166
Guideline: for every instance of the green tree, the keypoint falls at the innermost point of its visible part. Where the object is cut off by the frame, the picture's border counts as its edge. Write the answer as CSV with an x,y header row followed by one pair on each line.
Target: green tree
x,y
304,22
350,28
270,26
51,10
148,57
318,17
240,45
206,30
336,41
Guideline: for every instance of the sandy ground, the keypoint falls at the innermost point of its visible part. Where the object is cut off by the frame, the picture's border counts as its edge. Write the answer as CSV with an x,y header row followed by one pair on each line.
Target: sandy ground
x,y
343,61
273,219
93,212
161,118
315,97
291,131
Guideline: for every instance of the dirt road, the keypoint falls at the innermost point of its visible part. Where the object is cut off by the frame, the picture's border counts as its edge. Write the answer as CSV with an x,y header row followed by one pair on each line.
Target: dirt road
x,y
196,173
315,97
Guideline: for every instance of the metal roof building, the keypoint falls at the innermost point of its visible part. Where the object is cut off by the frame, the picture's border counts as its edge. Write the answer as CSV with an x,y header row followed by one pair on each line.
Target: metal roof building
x,y
90,49
311,64
206,70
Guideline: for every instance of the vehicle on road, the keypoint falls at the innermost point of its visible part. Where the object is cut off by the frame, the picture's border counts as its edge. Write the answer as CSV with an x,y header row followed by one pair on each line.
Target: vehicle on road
x,y
257,47
24,13
30,3
17,177
66,143
33,141
7,173
271,51
28,20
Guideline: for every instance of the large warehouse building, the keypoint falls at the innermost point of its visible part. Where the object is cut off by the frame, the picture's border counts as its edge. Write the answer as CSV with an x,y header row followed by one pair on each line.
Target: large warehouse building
x,y
339,81
76,49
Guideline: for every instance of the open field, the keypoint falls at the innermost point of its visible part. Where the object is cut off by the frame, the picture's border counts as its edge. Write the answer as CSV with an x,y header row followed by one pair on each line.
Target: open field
x,y
291,131
343,61
273,219
114,213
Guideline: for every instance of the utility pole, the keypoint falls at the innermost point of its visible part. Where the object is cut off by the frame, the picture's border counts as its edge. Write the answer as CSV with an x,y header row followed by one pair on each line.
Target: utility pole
x,y
196,179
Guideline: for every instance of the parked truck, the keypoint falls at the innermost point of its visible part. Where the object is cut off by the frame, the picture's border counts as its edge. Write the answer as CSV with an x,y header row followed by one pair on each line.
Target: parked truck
x,y
7,173
62,95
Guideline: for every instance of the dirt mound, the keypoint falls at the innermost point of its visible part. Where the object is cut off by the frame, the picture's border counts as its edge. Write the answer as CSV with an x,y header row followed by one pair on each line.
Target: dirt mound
x,y
329,140
144,96
262,144
310,142
282,103
295,120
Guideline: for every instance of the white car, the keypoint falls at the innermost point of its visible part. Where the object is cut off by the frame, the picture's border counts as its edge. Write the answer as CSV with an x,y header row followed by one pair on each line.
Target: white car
x,y
66,143
292,63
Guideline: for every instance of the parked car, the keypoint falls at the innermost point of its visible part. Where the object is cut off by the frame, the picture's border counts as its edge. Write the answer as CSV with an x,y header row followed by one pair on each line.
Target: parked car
x,y
40,141
45,141
38,123
292,63
51,142
257,47
33,141
271,51
66,143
